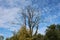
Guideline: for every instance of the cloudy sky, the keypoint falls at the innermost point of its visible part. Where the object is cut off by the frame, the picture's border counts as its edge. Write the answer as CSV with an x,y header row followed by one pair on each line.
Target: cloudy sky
x,y
50,10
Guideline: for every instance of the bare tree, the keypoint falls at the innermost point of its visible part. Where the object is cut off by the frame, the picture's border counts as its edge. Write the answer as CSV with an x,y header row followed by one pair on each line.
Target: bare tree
x,y
31,19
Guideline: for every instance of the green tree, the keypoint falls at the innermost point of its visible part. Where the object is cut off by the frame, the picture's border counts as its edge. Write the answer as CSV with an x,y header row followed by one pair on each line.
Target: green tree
x,y
58,27
52,33
38,37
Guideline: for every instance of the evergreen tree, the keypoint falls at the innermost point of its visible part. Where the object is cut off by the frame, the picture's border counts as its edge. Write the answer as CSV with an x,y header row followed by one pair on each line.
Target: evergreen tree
x,y
52,33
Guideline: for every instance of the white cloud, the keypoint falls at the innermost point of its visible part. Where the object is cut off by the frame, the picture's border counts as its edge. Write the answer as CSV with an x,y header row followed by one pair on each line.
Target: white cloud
x,y
7,15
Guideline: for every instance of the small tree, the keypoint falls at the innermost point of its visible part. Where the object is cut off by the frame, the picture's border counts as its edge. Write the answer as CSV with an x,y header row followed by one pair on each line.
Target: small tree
x,y
23,33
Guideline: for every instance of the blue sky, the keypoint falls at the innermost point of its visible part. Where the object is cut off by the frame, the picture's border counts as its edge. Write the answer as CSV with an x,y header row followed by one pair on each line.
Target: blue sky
x,y
50,12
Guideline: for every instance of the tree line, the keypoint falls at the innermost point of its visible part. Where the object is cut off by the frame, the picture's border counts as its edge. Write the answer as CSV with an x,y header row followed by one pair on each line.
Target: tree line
x,y
52,33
